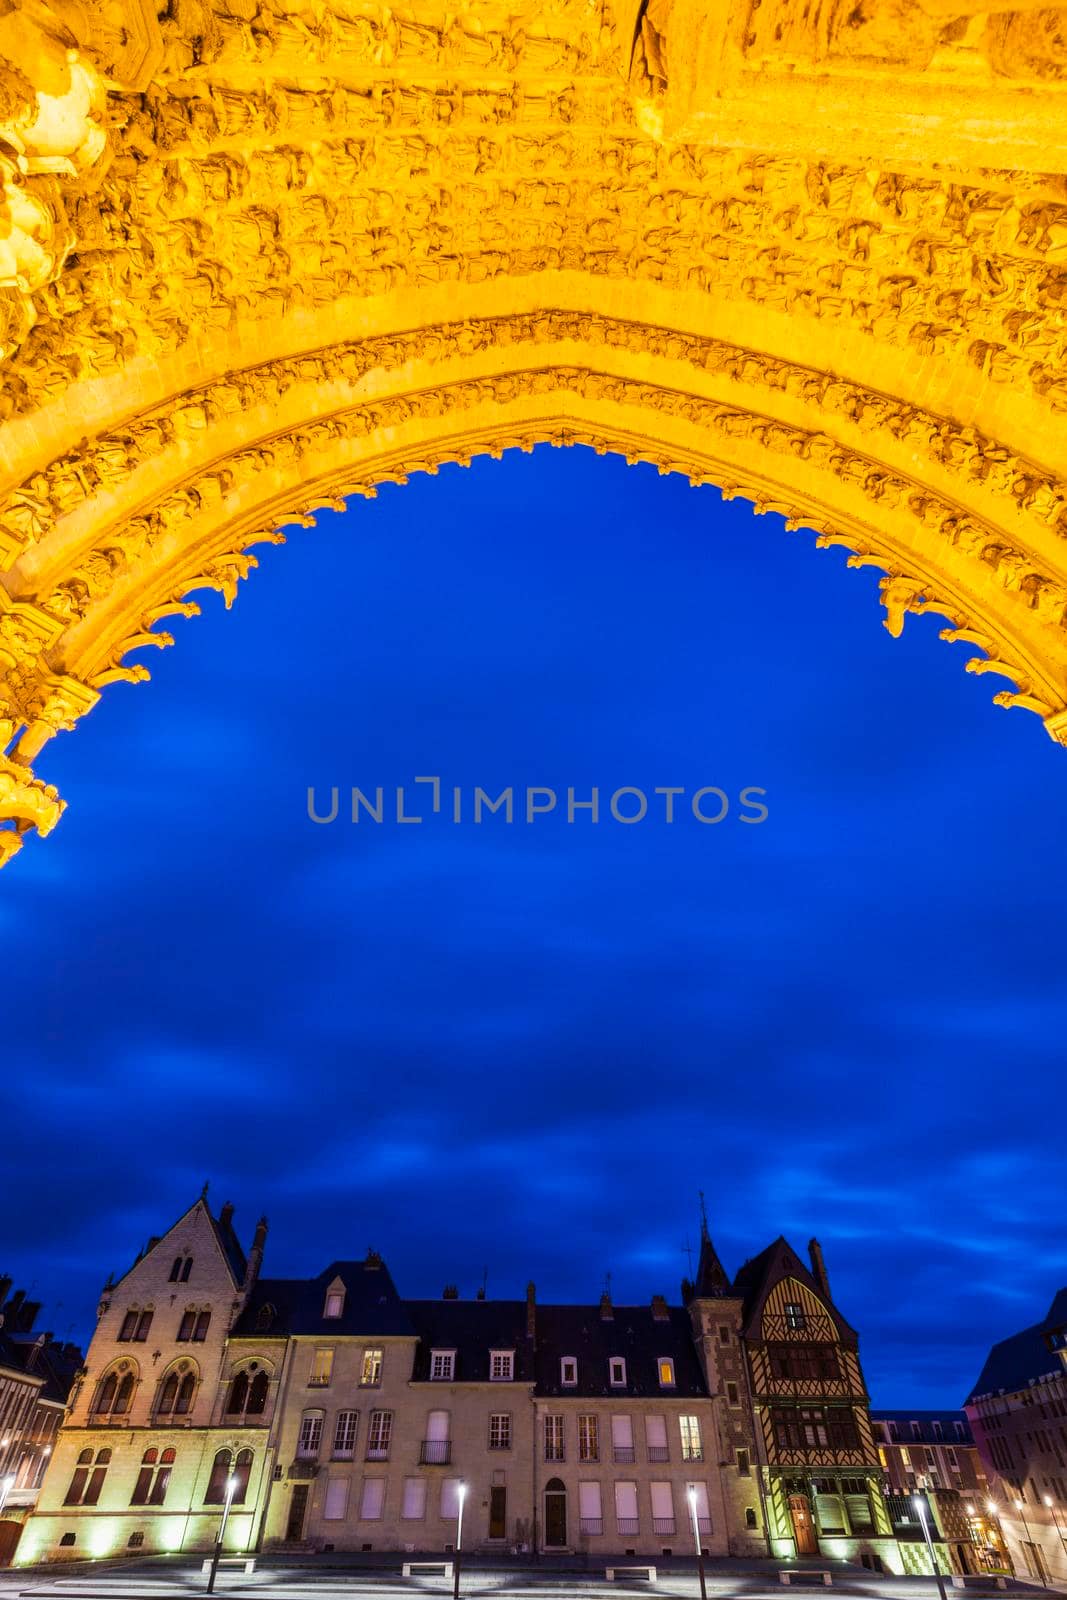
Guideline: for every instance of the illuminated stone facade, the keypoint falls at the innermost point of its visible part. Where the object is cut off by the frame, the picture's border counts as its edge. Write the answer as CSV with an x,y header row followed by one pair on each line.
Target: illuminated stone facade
x,y
257,258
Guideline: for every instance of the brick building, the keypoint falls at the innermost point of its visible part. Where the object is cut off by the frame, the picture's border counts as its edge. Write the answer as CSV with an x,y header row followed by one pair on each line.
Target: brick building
x,y
933,1453
36,1374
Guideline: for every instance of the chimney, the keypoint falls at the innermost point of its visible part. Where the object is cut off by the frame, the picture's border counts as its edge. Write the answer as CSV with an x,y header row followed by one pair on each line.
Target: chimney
x,y
659,1309
606,1312
5,1286
27,1316
450,1292
255,1255
480,1295
226,1215
373,1261
13,1307
531,1311
818,1268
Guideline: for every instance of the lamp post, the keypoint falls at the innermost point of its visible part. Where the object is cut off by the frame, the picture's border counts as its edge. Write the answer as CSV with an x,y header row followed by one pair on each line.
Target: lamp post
x,y
231,1485
462,1492
1040,1565
691,1494
920,1506
1052,1507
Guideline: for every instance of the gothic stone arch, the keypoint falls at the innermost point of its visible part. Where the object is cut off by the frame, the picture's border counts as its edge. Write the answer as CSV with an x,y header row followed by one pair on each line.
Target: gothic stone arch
x,y
261,255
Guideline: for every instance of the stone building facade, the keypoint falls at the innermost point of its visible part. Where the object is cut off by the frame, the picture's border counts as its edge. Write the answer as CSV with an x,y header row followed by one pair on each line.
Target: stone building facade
x,y
36,1374
349,1418
1018,1413
933,1453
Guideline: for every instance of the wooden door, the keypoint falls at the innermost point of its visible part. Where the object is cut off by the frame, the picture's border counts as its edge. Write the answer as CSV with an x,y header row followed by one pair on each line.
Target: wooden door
x,y
10,1533
498,1512
297,1512
803,1526
555,1513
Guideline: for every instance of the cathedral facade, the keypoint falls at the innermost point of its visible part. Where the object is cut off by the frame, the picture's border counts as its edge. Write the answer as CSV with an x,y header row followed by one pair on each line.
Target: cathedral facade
x,y
335,1415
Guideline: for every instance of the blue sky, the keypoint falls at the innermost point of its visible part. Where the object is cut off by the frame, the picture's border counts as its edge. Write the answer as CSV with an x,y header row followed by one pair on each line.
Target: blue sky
x,y
526,1048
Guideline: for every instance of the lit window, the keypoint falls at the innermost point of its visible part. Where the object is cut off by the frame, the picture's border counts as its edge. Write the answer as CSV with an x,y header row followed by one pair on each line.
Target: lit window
x,y
321,1369
794,1316
666,1372
568,1372
617,1372
335,1303
588,1438
370,1375
501,1365
554,1438
689,1428
442,1365
500,1430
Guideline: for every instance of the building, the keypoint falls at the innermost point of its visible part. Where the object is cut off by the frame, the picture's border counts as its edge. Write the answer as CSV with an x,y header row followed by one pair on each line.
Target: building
x,y
36,1374
349,1418
933,1453
1018,1414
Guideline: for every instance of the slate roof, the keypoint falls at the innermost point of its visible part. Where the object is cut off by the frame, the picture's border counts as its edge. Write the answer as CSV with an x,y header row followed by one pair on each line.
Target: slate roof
x,y
758,1276
230,1245
472,1328
926,1420
39,1357
632,1332
372,1307
1014,1362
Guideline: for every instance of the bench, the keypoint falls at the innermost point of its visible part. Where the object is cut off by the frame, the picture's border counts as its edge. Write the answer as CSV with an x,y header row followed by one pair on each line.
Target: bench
x,y
805,1575
649,1572
247,1562
427,1569
977,1577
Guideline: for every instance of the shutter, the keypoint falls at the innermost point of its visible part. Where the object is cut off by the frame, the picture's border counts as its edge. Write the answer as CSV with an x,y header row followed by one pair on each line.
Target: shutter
x,y
656,1432
622,1436
626,1499
414,1498
437,1427
373,1498
829,1513
701,1492
336,1507
860,1516
662,1502
450,1497
589,1500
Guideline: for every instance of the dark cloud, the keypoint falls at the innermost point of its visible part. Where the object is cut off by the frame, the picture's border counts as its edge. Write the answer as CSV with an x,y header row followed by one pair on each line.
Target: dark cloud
x,y
525,1048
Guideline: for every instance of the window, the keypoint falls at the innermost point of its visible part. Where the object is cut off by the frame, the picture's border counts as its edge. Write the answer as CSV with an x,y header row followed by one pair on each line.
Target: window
x,y
336,1507
153,1478
689,1428
413,1504
176,1269
450,1498
88,1480
223,1467
916,1431
186,1326
135,1326
622,1438
894,1432
731,1394
795,1317
626,1518
590,1510
373,1501
379,1434
662,1508
344,1435
961,1432
554,1438
203,1322
442,1365
176,1392
724,1333
801,1362
501,1366
814,1428
194,1325
248,1393
129,1326
310,1437
656,1438
370,1373
588,1438
617,1372
938,1431
703,1513
743,1468
568,1372
750,1517
665,1368
500,1430
114,1395
335,1303
321,1369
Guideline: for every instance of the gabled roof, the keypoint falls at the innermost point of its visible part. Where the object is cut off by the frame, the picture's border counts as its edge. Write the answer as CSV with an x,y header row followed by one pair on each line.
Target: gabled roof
x,y
1015,1362
926,1419
472,1328
633,1332
757,1278
372,1307
222,1228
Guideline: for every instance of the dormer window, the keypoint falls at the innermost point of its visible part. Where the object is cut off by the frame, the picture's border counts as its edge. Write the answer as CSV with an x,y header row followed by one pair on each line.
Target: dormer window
x,y
794,1316
335,1303
442,1366
568,1372
665,1369
501,1365
617,1372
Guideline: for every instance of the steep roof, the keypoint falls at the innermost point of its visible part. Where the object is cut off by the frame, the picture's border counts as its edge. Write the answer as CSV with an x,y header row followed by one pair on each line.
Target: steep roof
x,y
1015,1362
926,1419
757,1278
372,1307
472,1328
633,1332
42,1360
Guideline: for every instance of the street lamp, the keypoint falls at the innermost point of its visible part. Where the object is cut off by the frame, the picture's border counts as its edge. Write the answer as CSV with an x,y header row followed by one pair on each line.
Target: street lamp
x,y
692,1496
462,1492
920,1506
1052,1507
231,1485
1040,1565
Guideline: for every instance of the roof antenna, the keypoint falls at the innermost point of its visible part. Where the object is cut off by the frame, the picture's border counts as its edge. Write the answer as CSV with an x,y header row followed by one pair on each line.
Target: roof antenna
x,y
688,1248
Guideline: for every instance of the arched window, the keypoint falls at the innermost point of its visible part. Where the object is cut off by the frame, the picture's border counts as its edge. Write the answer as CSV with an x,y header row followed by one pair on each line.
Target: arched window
x,y
186,1326
242,1472
202,1321
265,1318
123,1396
238,1396
183,1403
258,1390
220,1471
73,1496
177,1391
105,1394
114,1394
88,1479
175,1269
168,1393
187,1267
159,1488
153,1478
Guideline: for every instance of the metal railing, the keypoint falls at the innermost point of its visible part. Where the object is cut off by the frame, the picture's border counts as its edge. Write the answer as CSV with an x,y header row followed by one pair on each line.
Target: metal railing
x,y
663,1525
628,1524
591,1524
623,1452
659,1452
435,1452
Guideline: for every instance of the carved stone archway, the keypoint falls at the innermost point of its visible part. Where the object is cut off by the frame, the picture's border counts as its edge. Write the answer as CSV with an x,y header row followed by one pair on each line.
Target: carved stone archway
x,y
264,254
